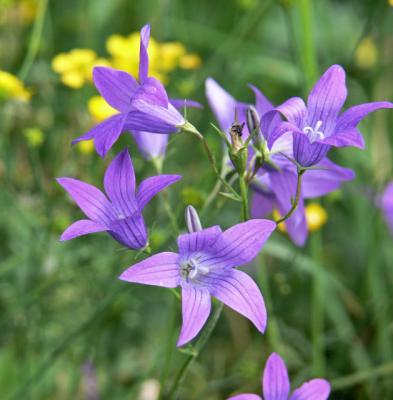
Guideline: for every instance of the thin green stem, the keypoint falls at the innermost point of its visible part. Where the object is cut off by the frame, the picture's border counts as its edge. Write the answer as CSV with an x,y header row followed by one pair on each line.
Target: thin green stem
x,y
244,194
194,353
300,173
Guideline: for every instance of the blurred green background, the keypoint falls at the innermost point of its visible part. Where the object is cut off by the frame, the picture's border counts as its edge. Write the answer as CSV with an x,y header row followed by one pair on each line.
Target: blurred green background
x,y
68,328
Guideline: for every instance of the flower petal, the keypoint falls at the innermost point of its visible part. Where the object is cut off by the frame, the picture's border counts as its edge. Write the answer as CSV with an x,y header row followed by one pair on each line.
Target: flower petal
x,y
245,396
294,110
80,228
116,87
130,231
89,199
161,269
350,137
151,145
275,379
240,244
316,389
262,204
276,131
239,292
296,225
151,186
185,103
143,55
327,98
193,222
319,182
306,153
152,91
198,241
262,104
196,306
119,183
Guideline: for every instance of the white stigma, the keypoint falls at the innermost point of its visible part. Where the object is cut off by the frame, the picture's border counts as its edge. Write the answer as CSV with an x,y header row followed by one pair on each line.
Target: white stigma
x,y
314,134
190,269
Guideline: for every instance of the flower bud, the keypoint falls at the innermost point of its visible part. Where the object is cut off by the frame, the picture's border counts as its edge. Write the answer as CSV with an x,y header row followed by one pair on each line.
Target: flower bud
x,y
192,220
253,125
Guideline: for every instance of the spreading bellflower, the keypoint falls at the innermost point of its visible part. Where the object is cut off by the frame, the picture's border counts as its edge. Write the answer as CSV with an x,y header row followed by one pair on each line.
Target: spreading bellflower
x,y
275,183
276,385
120,212
319,125
205,266
386,204
143,106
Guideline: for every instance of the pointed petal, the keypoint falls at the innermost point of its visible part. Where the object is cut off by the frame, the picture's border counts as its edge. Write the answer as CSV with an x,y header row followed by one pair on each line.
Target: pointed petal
x,y
245,396
119,183
275,379
185,103
161,269
262,104
296,225
196,305
130,231
152,91
153,185
294,110
80,228
198,241
89,199
276,131
239,292
349,137
320,182
316,389
327,98
193,222
143,55
116,87
240,244
151,145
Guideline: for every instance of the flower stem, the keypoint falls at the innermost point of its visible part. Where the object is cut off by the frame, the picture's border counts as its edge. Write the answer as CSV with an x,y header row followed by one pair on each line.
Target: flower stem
x,y
244,194
195,353
300,173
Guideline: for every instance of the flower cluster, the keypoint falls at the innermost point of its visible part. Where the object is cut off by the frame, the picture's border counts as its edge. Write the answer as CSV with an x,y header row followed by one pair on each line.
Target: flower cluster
x,y
279,152
12,88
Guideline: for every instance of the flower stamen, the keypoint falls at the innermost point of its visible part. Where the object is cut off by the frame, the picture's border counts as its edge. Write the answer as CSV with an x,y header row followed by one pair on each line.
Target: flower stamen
x,y
314,134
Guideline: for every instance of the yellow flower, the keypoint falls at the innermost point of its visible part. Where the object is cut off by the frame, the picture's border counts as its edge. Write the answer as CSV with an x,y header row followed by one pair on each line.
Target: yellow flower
x,y
190,61
75,67
366,55
316,216
85,147
276,216
99,109
390,2
34,136
12,88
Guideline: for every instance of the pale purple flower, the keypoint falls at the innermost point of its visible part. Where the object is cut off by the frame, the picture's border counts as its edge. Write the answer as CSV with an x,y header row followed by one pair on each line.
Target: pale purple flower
x,y
386,205
205,266
276,385
143,106
275,183
319,125
119,212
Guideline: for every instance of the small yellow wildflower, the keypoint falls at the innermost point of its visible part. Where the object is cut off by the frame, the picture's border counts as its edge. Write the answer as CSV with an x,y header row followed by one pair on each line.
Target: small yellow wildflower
x,y
99,109
75,67
34,137
276,216
190,61
12,88
390,2
85,147
366,55
316,217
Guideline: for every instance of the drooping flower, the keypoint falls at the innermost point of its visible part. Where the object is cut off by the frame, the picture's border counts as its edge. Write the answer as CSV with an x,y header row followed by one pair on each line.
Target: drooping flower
x,y
275,183
119,212
276,385
386,204
205,267
142,106
319,125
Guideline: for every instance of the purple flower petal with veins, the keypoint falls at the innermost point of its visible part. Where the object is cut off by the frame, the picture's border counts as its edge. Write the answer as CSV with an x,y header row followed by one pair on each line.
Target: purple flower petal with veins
x,y
205,267
119,212
276,386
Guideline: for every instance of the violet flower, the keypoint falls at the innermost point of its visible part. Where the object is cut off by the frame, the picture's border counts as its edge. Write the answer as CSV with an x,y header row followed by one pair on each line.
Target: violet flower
x,y
205,267
319,125
276,385
143,106
120,212
386,204
275,183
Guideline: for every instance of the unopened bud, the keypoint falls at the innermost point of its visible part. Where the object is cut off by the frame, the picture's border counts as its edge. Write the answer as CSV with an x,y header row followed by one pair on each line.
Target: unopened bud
x,y
192,220
253,125
236,133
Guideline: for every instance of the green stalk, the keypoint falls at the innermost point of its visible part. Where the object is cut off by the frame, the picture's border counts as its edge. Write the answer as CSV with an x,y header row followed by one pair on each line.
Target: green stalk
x,y
245,211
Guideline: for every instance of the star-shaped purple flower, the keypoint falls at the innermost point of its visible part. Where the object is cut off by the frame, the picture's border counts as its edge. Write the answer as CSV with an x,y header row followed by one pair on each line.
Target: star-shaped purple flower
x,y
120,212
143,106
276,385
205,267
319,125
386,205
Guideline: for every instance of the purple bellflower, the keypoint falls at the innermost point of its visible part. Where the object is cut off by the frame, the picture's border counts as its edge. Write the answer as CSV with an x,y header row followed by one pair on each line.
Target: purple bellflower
x,y
120,212
275,182
143,106
386,205
205,267
276,385
319,125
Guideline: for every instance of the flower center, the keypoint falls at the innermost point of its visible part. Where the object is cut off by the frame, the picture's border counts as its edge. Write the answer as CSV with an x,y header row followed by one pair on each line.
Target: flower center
x,y
314,134
190,269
